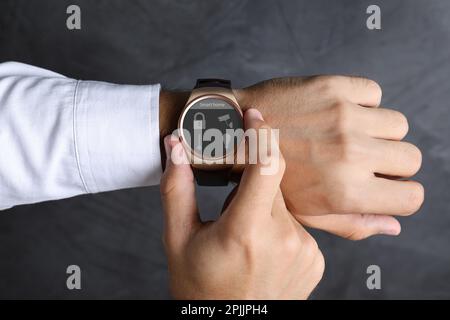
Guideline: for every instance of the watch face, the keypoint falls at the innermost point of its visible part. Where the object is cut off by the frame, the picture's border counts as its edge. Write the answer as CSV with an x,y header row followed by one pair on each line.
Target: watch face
x,y
212,127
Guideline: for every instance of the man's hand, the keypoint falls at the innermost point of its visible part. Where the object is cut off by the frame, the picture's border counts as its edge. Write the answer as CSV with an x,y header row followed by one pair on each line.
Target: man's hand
x,y
255,250
344,154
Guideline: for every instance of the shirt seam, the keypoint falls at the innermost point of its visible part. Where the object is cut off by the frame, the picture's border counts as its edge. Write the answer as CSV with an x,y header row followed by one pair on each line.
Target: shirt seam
x,y
75,136
154,124
93,182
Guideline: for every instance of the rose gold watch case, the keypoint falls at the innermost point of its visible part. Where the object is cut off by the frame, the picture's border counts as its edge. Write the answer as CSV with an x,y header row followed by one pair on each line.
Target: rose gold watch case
x,y
196,96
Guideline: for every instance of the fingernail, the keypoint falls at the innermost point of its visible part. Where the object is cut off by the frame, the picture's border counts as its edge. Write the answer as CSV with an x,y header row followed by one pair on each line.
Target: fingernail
x,y
390,232
254,114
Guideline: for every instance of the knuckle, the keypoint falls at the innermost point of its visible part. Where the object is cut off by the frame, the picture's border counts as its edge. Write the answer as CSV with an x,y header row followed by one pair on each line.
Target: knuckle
x,y
415,157
327,85
168,183
375,87
362,227
401,123
357,235
415,198
341,116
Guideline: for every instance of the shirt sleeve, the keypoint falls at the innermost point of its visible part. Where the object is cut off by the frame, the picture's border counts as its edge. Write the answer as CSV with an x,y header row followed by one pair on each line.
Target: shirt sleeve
x,y
61,137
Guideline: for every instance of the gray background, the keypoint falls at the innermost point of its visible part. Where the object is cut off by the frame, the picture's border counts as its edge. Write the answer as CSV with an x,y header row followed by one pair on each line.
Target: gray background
x,y
115,237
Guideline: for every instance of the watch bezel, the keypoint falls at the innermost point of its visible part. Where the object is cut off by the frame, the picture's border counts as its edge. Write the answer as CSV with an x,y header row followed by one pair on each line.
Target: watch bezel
x,y
210,162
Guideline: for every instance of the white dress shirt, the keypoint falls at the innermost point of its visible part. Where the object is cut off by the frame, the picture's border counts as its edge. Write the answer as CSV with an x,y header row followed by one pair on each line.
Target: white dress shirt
x,y
61,137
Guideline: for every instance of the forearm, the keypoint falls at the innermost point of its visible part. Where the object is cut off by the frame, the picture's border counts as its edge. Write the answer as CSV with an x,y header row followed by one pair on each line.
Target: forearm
x,y
61,137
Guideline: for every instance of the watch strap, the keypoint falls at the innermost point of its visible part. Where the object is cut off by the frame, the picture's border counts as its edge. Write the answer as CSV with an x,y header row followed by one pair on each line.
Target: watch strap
x,y
213,83
212,177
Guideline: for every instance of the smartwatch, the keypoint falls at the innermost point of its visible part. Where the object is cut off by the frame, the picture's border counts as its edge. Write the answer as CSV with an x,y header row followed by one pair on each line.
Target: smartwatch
x,y
211,129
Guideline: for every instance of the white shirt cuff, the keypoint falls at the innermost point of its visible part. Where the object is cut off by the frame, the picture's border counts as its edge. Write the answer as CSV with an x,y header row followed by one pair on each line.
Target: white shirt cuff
x,y
117,135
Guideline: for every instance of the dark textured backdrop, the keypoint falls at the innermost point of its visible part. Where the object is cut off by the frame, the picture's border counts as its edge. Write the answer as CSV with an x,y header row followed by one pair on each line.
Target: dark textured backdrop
x,y
115,237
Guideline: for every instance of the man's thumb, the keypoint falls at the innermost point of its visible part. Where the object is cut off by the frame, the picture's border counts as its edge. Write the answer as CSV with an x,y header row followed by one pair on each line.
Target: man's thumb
x,y
178,195
260,181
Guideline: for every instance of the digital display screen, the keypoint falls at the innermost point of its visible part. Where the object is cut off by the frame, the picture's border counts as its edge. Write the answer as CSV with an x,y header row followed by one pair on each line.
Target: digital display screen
x,y
212,127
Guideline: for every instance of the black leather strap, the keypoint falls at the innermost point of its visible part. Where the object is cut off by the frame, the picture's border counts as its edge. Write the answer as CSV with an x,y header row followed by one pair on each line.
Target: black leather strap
x,y
214,83
212,177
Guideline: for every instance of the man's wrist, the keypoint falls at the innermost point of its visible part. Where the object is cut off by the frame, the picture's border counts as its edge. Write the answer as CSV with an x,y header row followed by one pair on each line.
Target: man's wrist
x,y
171,103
